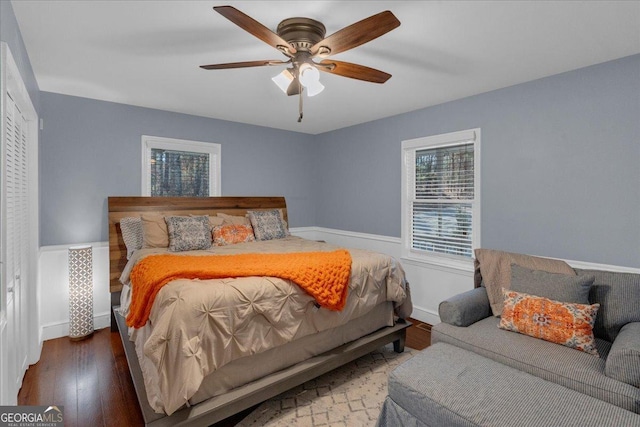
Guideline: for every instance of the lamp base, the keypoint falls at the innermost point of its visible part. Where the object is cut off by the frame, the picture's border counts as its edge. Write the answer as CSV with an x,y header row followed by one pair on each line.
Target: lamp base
x,y
83,337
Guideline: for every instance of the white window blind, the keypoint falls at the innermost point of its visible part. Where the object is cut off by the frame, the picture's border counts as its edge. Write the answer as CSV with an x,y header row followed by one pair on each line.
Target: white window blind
x,y
440,204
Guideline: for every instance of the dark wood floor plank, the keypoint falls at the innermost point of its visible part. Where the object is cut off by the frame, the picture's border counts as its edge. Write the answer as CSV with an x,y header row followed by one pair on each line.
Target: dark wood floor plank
x,y
38,386
65,392
115,410
121,370
89,407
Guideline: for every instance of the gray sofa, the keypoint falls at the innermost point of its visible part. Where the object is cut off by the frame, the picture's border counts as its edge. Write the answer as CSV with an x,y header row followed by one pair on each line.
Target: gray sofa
x,y
477,374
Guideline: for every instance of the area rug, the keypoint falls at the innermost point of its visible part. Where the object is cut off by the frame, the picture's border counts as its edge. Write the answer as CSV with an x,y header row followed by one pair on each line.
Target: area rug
x,y
351,395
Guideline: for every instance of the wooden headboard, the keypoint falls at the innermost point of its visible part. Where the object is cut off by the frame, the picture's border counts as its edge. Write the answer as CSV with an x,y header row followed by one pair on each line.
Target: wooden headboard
x,y
121,207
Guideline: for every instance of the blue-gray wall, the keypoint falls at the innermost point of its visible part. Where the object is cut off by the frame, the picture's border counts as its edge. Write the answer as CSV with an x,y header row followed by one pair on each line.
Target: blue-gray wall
x,y
92,150
10,33
560,165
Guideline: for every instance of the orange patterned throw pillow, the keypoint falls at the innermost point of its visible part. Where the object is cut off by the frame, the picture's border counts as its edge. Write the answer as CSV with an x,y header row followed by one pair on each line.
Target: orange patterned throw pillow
x,y
232,233
568,324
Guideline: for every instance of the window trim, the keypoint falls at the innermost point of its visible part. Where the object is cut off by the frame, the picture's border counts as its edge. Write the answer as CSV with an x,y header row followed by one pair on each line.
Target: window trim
x,y
157,142
429,142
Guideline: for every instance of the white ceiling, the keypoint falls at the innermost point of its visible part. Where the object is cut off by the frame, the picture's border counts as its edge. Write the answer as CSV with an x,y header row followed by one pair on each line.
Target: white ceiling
x,y
147,53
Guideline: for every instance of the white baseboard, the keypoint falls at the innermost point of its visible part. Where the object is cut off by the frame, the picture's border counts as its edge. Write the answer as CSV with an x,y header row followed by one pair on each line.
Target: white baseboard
x,y
426,316
61,329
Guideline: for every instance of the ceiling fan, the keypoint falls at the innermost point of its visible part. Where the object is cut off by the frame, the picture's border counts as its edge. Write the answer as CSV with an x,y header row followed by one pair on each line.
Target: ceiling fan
x,y
302,40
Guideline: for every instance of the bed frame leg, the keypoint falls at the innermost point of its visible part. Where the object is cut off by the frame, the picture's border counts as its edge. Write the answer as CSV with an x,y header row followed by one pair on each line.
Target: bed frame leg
x,y
398,345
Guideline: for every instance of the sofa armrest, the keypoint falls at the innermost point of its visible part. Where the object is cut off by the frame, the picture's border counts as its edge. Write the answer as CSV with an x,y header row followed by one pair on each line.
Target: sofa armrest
x,y
623,362
466,308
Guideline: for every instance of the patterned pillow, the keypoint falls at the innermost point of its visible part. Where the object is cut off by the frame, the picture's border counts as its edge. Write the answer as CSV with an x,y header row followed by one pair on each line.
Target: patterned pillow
x,y
562,323
188,233
231,233
268,225
131,228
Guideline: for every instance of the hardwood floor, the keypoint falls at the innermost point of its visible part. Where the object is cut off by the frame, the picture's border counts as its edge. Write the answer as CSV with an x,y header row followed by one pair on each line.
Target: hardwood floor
x,y
91,379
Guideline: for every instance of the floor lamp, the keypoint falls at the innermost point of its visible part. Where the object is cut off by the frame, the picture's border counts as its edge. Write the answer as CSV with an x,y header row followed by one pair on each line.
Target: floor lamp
x,y
80,292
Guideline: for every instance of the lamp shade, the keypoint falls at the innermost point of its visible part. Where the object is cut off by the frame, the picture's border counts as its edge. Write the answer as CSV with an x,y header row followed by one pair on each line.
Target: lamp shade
x,y
283,80
310,79
80,292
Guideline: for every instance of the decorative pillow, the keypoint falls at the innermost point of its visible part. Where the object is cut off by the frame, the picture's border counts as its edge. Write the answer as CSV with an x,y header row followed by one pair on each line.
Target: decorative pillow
x,y
214,221
267,225
619,297
231,234
493,271
559,287
131,228
234,219
623,361
567,324
188,233
154,231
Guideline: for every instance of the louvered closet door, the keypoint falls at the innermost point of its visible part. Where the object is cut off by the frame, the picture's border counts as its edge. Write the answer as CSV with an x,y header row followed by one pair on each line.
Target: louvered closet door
x,y
16,192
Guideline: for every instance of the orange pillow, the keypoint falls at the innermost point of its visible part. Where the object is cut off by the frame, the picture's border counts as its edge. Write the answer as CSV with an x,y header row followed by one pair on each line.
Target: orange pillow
x,y
232,233
562,323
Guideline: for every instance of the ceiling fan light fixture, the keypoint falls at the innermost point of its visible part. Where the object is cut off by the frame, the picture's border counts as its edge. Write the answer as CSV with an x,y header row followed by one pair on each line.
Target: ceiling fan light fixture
x,y
310,79
314,88
283,80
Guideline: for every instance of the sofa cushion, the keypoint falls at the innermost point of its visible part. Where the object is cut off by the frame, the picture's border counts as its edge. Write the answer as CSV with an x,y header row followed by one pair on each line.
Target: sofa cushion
x,y
619,297
573,369
448,386
558,322
493,271
558,287
623,362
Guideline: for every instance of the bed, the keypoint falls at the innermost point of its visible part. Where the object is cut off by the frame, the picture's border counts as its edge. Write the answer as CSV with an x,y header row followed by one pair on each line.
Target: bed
x,y
210,347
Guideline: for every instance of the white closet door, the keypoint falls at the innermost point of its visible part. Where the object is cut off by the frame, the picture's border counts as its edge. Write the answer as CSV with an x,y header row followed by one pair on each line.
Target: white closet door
x,y
19,312
16,197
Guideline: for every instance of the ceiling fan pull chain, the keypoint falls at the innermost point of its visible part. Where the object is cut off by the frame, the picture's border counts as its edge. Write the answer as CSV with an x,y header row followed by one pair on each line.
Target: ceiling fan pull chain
x,y
300,104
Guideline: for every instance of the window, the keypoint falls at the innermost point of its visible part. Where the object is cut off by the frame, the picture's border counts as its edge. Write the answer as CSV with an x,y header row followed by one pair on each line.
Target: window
x,y
441,198
175,167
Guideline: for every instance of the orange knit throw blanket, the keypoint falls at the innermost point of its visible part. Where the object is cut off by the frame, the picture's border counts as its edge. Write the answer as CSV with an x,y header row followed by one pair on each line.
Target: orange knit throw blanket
x,y
323,275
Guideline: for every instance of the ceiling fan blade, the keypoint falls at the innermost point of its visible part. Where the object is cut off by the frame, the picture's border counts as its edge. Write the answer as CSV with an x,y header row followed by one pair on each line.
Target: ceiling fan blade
x,y
252,26
243,64
356,34
354,71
